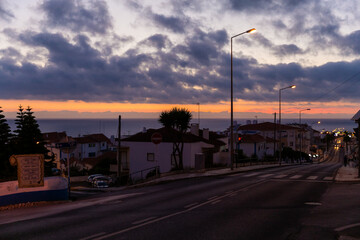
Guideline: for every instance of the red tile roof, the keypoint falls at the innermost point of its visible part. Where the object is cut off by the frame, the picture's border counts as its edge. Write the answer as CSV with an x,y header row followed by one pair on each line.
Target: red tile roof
x,y
99,137
168,134
54,137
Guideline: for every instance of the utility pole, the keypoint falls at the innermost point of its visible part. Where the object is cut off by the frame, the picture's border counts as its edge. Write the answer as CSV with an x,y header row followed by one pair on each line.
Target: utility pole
x,y
274,134
118,155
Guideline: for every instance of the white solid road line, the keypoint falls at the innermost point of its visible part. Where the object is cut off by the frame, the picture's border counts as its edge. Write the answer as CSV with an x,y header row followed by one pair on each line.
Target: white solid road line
x,y
217,201
212,198
339,229
191,205
143,220
93,236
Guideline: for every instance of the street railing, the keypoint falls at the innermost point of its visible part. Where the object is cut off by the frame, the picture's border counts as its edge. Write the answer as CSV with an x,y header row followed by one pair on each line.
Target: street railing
x,y
142,175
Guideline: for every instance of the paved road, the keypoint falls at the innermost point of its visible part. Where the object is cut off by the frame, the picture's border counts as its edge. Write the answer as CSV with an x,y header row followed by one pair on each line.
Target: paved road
x,y
264,204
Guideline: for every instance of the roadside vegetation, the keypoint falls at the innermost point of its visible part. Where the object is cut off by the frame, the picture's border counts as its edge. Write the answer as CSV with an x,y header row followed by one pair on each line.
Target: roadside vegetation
x,y
26,139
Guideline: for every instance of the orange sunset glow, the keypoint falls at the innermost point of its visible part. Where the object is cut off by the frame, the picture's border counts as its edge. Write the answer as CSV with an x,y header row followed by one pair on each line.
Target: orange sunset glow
x,y
240,106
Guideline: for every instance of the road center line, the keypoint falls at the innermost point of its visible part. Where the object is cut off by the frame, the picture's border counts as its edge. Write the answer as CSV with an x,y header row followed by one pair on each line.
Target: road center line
x,y
175,214
93,236
339,229
191,205
215,202
144,220
212,197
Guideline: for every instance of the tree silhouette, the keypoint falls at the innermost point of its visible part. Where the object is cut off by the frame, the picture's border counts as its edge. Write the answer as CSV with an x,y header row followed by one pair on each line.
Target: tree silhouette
x,y
5,134
29,138
177,119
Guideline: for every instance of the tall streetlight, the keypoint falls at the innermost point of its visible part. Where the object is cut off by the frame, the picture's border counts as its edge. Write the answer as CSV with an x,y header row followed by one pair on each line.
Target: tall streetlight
x,y
280,134
232,103
301,133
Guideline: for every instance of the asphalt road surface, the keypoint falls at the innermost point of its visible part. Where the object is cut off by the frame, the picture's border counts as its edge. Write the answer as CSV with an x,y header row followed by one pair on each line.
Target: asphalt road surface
x,y
263,204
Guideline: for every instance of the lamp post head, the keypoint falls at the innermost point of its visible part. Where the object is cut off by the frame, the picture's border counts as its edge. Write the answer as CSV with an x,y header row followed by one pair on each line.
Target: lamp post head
x,y
292,86
251,30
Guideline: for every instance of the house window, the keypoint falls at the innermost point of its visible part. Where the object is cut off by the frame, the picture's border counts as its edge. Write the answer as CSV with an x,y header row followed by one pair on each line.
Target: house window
x,y
150,157
173,159
291,144
91,154
91,144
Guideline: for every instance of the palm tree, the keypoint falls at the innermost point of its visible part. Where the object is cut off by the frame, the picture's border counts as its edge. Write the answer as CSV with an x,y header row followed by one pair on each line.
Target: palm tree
x,y
177,119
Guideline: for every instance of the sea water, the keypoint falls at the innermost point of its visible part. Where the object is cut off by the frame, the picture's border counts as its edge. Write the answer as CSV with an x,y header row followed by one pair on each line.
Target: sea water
x,y
109,127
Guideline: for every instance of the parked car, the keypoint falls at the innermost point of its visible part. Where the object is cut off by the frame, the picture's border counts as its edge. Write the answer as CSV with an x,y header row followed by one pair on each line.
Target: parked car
x,y
100,184
102,178
91,177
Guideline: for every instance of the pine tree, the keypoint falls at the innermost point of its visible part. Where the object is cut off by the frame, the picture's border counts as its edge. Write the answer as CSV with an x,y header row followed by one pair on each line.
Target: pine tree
x,y
5,135
29,138
4,130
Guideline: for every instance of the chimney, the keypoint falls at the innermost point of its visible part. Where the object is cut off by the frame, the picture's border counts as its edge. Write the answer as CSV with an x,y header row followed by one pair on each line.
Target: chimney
x,y
248,122
206,133
194,129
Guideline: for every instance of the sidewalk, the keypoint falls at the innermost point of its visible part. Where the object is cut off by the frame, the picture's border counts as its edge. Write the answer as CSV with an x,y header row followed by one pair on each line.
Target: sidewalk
x,y
178,176
347,174
344,174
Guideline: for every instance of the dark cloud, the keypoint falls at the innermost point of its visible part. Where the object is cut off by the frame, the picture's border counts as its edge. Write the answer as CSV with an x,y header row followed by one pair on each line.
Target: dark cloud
x,y
275,6
287,49
195,70
202,47
77,16
9,52
158,41
281,50
5,14
62,53
351,42
172,23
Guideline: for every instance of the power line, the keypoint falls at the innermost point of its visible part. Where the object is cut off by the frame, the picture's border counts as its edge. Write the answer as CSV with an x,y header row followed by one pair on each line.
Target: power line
x,y
338,86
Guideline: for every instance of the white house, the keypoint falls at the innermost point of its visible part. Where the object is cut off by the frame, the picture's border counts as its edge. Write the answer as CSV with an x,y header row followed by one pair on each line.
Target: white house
x,y
270,131
144,154
51,139
91,146
252,144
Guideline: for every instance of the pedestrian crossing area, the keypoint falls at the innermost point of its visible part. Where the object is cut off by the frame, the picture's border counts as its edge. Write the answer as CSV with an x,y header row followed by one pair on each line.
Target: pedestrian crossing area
x,y
287,176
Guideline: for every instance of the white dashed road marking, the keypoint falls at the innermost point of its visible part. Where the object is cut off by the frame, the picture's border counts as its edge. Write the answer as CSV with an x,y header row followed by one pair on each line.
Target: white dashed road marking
x,y
296,177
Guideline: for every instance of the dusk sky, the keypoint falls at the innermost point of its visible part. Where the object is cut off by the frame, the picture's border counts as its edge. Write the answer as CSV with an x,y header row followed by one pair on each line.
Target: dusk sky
x,y
137,58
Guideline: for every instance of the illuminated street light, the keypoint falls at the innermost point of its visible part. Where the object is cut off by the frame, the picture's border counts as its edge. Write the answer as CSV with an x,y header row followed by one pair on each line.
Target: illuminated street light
x,y
280,134
232,104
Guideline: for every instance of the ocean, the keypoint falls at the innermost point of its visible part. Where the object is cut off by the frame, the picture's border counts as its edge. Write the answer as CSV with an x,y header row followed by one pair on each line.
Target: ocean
x,y
109,127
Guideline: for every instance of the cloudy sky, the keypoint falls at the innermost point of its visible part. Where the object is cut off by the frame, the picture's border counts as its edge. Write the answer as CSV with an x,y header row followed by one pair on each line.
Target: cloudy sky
x,y
138,57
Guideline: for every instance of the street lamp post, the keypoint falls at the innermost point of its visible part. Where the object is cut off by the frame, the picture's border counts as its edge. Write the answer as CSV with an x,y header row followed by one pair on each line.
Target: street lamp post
x,y
280,134
232,104
301,133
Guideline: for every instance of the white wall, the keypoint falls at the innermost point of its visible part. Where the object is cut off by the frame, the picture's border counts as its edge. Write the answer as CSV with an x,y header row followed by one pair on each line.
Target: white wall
x,y
248,149
138,155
